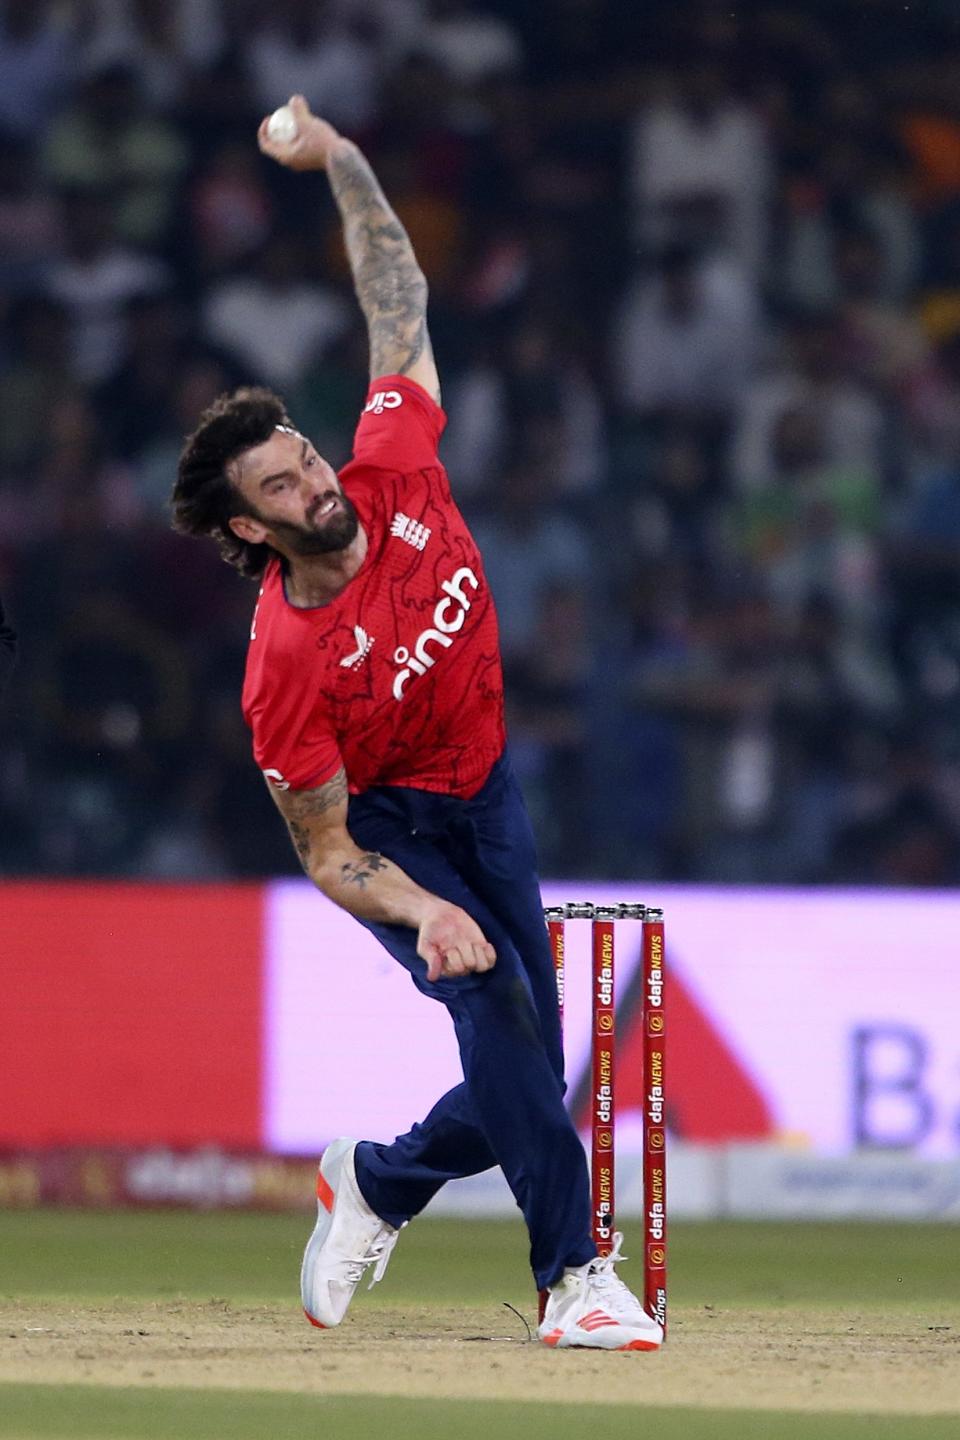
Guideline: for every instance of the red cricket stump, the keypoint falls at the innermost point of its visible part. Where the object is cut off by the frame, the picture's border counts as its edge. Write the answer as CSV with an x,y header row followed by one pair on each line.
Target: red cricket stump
x,y
655,1131
555,916
603,1076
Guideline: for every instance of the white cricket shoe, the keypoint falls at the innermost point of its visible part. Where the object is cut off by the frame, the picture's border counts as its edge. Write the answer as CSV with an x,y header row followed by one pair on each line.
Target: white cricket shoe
x,y
348,1237
591,1308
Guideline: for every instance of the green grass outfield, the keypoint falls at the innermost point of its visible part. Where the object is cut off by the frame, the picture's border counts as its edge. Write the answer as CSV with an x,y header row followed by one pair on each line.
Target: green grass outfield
x,y
256,1258
80,1412
63,1256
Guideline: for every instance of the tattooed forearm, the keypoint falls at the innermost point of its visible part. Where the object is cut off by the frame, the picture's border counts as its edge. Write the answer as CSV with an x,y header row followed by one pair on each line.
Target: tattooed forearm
x,y
361,881
358,872
300,836
390,284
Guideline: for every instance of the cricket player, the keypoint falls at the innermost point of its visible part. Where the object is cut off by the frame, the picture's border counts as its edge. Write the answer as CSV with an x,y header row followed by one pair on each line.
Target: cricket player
x,y
374,694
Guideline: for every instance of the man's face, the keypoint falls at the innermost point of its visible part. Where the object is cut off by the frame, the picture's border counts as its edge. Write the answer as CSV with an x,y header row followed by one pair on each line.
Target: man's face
x,y
293,498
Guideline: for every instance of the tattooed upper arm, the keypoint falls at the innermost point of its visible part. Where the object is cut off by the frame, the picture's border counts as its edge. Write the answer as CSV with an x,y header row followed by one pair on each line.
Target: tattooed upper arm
x,y
390,285
315,818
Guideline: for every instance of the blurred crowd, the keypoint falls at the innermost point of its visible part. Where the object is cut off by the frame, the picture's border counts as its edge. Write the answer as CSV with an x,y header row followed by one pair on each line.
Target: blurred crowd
x,y
695,296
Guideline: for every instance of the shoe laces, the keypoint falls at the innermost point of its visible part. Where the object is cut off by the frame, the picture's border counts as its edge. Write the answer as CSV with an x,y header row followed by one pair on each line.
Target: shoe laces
x,y
604,1280
378,1254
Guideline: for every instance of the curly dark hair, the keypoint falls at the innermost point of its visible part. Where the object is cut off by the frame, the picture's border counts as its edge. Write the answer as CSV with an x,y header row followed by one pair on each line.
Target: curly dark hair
x,y
204,498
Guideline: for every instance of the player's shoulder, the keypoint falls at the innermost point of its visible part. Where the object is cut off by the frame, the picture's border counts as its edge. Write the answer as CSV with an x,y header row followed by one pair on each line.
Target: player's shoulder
x,y
285,645
396,405
399,427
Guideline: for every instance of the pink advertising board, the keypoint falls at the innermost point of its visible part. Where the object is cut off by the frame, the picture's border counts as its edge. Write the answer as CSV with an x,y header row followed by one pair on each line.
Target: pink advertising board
x,y
825,1018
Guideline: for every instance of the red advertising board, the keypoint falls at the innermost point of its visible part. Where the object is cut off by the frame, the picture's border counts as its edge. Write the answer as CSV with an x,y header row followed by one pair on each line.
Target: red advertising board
x,y
131,1014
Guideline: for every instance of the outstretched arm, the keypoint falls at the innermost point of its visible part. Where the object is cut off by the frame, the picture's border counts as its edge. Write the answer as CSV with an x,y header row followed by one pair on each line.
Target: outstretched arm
x,y
372,887
390,285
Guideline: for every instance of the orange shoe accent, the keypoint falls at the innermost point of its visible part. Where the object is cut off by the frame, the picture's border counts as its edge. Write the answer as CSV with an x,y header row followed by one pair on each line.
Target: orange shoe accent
x,y
639,1345
314,1322
595,1320
553,1337
324,1192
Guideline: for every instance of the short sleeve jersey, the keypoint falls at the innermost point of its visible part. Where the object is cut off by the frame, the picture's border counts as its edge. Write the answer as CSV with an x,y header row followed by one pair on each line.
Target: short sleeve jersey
x,y
398,679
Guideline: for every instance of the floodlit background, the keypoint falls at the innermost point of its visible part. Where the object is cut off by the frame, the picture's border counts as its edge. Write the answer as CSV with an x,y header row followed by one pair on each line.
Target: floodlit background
x,y
696,301
695,297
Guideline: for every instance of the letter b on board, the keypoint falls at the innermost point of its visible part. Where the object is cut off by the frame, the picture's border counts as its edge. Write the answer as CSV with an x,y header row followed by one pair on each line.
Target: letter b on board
x,y
891,1110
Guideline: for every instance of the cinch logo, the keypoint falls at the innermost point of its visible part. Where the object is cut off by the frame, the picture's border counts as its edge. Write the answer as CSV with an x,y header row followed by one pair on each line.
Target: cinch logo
x,y
448,618
383,400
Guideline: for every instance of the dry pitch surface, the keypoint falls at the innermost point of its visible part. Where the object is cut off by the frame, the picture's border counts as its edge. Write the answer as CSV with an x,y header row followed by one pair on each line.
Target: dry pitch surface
x,y
108,1332
738,1358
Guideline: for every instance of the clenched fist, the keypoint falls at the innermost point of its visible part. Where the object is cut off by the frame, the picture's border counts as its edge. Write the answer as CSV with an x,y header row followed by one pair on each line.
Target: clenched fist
x,y
452,943
311,146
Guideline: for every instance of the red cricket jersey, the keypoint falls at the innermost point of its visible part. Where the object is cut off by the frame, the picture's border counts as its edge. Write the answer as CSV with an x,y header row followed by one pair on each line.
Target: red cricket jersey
x,y
398,679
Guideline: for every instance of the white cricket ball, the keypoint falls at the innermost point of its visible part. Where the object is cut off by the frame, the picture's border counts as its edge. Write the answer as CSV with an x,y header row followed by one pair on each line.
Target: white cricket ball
x,y
282,126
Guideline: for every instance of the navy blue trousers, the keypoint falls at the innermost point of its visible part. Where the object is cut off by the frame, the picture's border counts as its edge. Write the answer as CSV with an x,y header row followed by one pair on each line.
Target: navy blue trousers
x,y
509,1111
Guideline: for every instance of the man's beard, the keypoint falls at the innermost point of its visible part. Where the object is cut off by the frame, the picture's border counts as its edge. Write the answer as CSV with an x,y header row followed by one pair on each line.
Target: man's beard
x,y
336,533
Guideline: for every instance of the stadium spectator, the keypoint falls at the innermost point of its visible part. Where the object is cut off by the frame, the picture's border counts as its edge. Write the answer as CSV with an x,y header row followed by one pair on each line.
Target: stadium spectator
x,y
302,47
8,649
35,53
471,44
231,212
539,394
812,371
811,523
528,546
700,164
36,375
548,685
161,41
95,279
273,321
110,145
30,235
686,339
